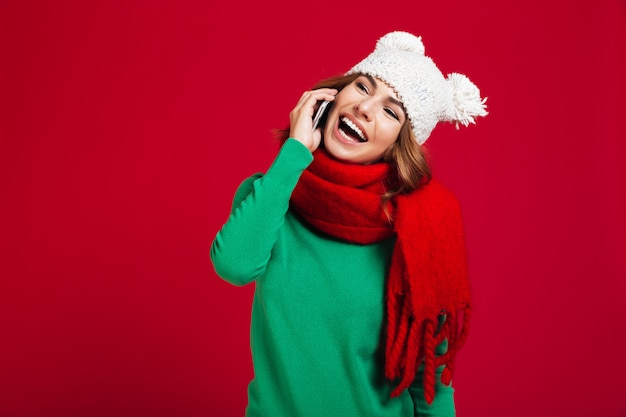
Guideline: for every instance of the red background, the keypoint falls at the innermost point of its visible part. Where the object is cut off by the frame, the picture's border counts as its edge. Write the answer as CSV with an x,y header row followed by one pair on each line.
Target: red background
x,y
125,128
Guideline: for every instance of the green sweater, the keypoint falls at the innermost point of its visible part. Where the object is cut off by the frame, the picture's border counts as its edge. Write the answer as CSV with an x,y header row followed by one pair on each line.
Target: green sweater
x,y
317,315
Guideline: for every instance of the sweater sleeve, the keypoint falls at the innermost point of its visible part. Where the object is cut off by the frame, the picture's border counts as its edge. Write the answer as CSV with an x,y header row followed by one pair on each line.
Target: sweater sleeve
x,y
242,248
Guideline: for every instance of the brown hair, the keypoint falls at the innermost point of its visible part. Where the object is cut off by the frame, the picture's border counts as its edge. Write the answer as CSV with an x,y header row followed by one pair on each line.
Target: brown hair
x,y
409,159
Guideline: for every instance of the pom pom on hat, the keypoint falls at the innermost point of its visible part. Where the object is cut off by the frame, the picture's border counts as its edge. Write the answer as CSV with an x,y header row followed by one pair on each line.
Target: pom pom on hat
x,y
401,41
399,60
467,104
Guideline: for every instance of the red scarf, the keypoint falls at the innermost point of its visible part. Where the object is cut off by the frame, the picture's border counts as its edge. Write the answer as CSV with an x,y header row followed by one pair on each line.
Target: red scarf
x,y
428,274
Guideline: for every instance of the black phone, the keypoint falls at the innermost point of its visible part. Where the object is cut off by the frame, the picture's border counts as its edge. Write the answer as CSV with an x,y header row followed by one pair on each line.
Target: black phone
x,y
320,113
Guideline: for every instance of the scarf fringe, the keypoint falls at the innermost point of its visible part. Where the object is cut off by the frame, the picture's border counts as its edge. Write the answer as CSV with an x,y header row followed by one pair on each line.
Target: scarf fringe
x,y
412,354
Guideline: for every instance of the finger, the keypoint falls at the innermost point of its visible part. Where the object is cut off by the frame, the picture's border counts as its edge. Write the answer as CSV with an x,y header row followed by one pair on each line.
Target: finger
x,y
317,136
317,95
325,94
308,99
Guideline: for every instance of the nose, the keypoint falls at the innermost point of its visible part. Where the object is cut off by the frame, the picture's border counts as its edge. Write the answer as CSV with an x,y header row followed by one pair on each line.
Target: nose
x,y
365,108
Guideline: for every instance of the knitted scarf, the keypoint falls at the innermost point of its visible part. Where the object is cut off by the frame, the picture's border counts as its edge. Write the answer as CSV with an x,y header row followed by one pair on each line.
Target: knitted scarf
x,y
427,293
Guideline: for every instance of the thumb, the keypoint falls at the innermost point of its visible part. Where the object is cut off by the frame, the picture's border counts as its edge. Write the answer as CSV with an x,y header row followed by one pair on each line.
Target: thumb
x,y
317,138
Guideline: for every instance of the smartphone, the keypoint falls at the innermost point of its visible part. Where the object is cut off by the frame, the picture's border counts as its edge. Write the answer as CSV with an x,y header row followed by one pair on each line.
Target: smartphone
x,y
320,113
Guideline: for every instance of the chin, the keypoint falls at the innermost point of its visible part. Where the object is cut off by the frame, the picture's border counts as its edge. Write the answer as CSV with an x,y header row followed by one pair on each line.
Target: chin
x,y
347,156
338,152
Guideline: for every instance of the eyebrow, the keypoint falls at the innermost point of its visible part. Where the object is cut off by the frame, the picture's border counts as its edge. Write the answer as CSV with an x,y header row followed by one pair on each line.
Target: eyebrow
x,y
392,99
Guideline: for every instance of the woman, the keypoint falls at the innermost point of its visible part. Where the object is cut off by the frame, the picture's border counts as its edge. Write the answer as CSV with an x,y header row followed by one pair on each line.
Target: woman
x,y
362,298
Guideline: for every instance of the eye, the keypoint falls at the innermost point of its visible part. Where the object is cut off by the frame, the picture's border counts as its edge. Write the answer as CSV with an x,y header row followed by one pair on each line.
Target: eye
x,y
362,87
392,113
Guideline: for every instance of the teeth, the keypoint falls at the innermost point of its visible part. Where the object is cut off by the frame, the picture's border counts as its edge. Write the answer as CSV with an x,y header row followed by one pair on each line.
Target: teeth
x,y
348,138
354,127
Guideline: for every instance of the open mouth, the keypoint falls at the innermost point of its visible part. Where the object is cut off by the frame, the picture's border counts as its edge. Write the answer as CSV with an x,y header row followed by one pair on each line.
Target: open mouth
x,y
350,131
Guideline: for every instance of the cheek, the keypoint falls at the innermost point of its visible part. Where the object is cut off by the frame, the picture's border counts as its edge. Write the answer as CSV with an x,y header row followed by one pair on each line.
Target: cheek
x,y
389,133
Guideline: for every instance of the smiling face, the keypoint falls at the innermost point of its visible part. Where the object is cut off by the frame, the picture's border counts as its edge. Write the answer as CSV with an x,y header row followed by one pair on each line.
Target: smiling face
x,y
364,121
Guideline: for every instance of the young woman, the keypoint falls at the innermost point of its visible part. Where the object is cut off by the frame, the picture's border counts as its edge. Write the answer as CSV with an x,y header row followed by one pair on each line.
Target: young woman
x,y
362,298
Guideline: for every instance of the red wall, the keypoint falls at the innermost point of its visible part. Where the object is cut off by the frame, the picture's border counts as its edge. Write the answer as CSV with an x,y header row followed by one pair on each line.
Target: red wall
x,y
126,126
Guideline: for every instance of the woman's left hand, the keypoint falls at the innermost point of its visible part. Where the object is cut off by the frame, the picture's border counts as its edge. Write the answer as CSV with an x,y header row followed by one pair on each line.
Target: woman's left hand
x,y
301,117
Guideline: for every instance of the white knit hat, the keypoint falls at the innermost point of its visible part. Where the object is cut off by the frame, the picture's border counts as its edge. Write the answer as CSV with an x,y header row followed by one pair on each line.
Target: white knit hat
x,y
428,97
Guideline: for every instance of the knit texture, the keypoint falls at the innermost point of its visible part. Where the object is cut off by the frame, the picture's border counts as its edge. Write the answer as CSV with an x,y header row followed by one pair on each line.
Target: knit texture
x,y
428,97
428,281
